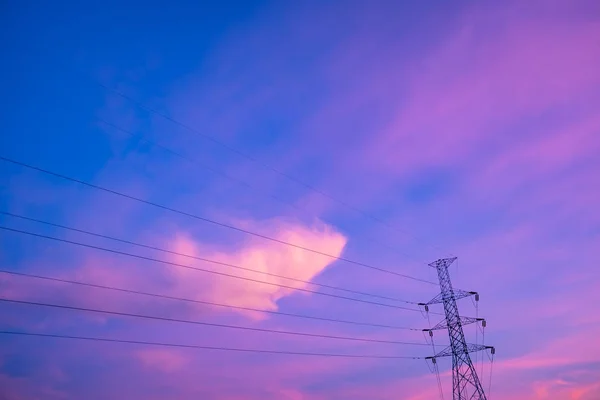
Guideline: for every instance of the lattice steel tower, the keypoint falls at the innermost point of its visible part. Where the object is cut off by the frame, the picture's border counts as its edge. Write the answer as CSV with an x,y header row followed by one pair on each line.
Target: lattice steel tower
x,y
466,385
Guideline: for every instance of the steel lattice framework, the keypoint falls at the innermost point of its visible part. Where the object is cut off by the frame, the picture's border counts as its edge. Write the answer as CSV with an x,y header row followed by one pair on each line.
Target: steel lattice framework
x,y
465,382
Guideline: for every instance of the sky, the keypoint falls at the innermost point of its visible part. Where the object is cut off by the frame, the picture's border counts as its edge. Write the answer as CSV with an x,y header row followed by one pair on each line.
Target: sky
x,y
381,135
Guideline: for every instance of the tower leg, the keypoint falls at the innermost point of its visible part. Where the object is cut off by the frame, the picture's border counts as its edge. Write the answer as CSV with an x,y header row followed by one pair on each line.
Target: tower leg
x,y
465,382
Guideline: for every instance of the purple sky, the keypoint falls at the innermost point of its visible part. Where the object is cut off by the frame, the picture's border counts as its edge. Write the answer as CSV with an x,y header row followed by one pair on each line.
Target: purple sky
x,y
468,129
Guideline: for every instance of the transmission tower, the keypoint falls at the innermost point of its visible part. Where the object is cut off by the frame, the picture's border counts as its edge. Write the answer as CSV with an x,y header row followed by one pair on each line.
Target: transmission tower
x,y
466,385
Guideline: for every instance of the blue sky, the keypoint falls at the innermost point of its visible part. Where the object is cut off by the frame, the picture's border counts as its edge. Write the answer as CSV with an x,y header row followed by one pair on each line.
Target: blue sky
x,y
416,131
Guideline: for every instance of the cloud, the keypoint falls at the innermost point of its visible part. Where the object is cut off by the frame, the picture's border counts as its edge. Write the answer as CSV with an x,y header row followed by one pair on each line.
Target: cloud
x,y
162,360
557,389
267,257
478,79
259,255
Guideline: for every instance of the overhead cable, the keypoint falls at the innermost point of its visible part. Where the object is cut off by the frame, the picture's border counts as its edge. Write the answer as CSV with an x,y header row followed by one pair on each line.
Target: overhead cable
x,y
137,256
255,160
203,302
205,323
191,346
211,221
204,259
215,171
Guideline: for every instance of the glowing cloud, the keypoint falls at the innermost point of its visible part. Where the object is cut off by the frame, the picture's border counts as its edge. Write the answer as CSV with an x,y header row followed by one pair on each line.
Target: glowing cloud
x,y
267,257
163,360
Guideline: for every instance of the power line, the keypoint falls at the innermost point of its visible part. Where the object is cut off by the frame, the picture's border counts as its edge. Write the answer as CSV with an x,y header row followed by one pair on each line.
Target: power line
x,y
201,269
214,222
202,258
217,325
203,302
223,174
253,159
189,346
491,369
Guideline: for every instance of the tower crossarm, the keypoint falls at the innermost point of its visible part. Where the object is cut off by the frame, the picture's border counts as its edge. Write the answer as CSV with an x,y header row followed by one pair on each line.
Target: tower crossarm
x,y
456,294
463,321
470,348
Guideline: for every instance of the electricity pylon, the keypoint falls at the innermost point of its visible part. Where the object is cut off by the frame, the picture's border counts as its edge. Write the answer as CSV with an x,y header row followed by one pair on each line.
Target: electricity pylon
x,y
465,382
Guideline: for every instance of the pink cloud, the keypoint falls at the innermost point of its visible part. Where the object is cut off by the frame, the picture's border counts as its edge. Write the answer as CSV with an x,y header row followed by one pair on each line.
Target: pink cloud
x,y
558,389
560,351
162,360
555,168
273,258
480,78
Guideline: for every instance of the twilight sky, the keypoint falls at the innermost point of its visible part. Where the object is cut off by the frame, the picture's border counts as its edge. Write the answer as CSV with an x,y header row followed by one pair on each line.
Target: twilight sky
x,y
418,130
